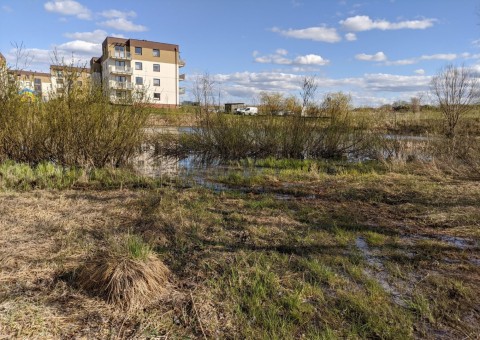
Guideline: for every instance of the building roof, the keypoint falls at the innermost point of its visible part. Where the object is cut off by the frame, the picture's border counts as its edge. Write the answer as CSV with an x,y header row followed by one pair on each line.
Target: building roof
x,y
72,68
141,43
29,73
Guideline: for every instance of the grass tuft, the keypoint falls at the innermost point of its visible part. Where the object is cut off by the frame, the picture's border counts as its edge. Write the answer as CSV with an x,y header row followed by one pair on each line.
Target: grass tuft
x,y
128,274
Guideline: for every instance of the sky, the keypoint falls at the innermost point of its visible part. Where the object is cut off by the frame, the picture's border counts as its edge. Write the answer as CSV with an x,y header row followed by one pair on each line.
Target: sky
x,y
378,51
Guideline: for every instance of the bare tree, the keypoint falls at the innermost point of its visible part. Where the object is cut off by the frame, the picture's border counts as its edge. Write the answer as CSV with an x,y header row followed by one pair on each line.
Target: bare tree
x,y
455,90
415,104
204,92
307,93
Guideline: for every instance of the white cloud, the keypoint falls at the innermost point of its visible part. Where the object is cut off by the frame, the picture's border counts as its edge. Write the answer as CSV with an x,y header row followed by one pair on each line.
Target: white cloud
x,y
7,9
361,23
420,71
367,90
350,36
379,56
81,47
381,82
96,36
68,7
41,59
113,13
280,58
322,33
444,56
476,43
123,24
310,59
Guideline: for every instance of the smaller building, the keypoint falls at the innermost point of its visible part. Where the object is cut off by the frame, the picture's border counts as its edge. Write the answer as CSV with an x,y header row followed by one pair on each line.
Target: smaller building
x,y
63,77
232,107
33,83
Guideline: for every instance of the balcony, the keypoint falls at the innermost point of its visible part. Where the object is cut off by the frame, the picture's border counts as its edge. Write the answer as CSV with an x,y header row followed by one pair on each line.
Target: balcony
x,y
181,63
181,77
181,90
120,55
121,85
120,70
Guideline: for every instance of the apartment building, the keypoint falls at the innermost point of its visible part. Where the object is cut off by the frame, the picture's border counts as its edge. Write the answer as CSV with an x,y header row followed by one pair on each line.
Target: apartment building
x,y
129,66
64,78
34,84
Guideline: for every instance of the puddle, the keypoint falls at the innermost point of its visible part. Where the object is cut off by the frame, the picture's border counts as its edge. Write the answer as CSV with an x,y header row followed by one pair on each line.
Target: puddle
x,y
458,242
379,272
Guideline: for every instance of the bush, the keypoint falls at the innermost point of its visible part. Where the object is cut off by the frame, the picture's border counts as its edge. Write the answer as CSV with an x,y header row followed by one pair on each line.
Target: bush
x,y
78,128
229,137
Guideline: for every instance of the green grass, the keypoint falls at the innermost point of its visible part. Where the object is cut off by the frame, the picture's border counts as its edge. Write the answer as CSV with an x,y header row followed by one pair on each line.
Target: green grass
x,y
276,259
46,175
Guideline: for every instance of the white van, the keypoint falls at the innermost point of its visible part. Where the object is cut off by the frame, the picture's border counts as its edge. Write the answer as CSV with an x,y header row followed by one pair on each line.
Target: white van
x,y
250,111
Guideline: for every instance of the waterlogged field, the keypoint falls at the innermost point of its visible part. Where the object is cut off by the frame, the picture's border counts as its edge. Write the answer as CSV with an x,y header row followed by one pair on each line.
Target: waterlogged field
x,y
280,250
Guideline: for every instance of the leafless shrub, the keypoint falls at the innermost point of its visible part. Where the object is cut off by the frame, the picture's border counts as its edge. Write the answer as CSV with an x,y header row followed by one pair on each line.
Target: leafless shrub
x,y
455,90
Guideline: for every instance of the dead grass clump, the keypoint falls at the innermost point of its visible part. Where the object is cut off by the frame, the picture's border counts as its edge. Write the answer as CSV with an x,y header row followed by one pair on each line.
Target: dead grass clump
x,y
128,274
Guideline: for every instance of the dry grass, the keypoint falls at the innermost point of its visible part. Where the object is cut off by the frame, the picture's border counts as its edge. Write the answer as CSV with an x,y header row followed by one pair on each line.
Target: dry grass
x,y
305,257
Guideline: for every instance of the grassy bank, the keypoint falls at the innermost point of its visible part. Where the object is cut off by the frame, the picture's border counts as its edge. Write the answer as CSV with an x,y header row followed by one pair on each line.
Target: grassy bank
x,y
46,175
294,249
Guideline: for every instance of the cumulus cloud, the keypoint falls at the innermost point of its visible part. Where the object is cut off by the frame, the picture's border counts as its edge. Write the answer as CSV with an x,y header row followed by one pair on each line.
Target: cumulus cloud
x,y
350,36
96,36
310,59
321,33
81,47
379,56
68,7
123,24
280,58
368,90
420,71
361,23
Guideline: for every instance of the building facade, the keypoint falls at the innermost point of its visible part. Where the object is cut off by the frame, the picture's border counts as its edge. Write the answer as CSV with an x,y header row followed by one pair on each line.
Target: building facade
x,y
126,67
130,66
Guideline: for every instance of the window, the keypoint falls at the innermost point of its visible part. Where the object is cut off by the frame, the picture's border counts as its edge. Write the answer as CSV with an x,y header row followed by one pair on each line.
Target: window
x,y
156,52
156,67
138,65
139,80
156,82
138,50
121,79
120,51
37,81
120,64
156,96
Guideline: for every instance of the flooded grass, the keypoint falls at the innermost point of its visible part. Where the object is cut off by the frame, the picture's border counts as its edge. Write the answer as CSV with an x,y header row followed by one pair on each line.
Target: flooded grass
x,y
287,250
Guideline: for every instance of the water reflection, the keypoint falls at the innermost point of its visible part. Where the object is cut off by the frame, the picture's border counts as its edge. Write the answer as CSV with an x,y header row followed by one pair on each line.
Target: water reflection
x,y
149,163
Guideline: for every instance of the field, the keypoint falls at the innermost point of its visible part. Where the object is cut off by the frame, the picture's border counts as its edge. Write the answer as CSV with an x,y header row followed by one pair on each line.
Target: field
x,y
280,250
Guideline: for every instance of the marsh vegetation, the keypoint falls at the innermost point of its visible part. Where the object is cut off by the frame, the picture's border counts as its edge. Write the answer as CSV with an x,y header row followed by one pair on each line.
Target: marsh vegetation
x,y
318,227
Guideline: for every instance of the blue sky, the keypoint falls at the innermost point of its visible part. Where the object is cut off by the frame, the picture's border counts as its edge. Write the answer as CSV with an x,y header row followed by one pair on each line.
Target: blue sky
x,y
376,50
